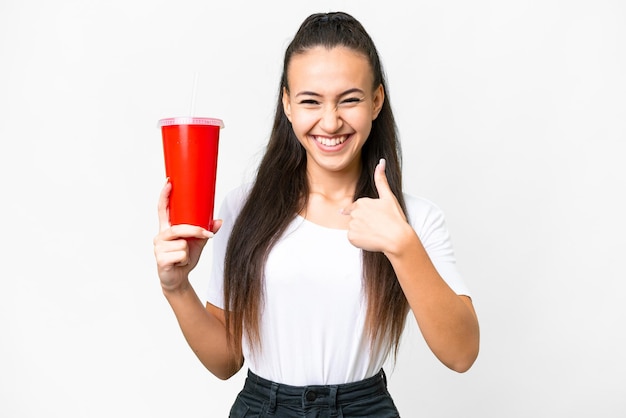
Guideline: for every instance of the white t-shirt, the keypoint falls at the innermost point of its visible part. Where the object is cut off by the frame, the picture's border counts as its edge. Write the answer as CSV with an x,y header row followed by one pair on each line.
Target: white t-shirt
x,y
312,322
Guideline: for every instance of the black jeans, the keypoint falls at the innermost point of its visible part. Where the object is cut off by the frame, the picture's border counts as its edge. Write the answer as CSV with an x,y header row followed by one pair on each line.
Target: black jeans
x,y
263,398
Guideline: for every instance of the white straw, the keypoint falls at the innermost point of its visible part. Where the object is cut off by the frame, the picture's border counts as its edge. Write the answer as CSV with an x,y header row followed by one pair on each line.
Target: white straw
x,y
194,90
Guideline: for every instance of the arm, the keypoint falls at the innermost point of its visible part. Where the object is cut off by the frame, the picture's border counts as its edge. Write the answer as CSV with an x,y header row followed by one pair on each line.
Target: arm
x,y
177,250
204,330
447,321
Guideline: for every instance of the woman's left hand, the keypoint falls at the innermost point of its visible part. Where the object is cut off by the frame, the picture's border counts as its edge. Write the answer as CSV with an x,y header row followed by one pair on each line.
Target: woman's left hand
x,y
378,225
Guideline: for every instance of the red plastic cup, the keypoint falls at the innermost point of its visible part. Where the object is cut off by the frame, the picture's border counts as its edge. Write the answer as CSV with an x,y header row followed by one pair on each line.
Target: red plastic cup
x,y
190,147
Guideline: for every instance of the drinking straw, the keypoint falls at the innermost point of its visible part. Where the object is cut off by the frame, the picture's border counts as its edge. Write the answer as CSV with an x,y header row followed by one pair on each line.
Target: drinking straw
x,y
194,90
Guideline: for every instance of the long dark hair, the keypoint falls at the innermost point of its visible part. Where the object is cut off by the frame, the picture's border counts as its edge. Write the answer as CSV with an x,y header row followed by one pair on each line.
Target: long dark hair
x,y
281,191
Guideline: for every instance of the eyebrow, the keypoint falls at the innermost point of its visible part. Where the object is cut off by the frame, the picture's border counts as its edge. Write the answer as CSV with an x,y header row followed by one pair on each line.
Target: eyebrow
x,y
312,93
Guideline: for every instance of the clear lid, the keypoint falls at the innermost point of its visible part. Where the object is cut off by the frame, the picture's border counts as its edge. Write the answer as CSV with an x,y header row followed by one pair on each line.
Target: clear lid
x,y
190,120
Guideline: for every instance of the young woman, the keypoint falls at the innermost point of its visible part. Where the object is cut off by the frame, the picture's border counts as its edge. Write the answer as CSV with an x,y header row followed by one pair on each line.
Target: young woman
x,y
318,262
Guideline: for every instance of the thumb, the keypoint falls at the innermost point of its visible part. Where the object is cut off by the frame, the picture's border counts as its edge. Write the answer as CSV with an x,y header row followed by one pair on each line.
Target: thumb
x,y
217,224
380,180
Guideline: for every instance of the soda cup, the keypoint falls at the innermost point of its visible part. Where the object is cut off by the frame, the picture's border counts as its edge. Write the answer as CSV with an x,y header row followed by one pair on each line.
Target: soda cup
x,y
190,146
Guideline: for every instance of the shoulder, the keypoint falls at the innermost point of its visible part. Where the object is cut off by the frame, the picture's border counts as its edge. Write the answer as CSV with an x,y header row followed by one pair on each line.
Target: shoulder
x,y
427,219
421,211
235,199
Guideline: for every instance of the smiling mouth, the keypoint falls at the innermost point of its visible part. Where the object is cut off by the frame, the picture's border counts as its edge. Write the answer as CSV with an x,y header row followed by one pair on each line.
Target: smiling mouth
x,y
331,142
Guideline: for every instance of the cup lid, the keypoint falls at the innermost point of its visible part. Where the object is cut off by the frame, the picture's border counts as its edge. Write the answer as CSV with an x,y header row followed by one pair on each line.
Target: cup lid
x,y
190,120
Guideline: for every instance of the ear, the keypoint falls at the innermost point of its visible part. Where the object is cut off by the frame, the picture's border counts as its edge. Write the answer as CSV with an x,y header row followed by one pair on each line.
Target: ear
x,y
286,103
377,102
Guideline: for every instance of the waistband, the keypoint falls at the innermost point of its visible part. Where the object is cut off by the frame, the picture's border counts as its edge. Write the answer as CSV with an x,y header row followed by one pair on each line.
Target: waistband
x,y
331,395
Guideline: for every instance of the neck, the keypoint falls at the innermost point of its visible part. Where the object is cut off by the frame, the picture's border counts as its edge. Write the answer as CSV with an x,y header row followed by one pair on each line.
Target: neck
x,y
334,185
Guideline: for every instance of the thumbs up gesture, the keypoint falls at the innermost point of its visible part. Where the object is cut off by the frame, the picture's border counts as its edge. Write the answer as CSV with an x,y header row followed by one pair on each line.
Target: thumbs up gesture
x,y
377,225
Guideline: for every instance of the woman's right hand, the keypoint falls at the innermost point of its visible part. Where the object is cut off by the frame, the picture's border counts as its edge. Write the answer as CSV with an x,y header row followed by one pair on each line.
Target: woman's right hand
x,y
177,248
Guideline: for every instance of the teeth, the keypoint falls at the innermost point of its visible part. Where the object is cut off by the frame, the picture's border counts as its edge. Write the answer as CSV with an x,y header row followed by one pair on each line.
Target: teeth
x,y
331,142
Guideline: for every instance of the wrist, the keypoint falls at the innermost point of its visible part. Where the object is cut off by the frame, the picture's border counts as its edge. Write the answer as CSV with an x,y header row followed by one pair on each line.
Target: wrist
x,y
405,241
176,290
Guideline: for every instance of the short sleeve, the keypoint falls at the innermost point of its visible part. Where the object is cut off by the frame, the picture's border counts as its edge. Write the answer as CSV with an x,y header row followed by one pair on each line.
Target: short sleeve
x,y
429,223
228,213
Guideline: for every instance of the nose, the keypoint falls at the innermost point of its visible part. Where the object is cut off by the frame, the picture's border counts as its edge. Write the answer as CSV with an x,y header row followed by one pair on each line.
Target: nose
x,y
331,120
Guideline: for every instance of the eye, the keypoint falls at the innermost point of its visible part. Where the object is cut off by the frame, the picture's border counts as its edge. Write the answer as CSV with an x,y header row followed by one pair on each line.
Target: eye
x,y
352,100
309,102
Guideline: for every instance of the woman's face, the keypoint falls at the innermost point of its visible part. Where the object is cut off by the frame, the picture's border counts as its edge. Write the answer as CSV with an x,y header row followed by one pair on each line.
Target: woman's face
x,y
331,104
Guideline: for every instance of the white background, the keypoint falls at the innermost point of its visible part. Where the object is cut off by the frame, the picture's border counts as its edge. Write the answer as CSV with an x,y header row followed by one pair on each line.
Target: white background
x,y
512,116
